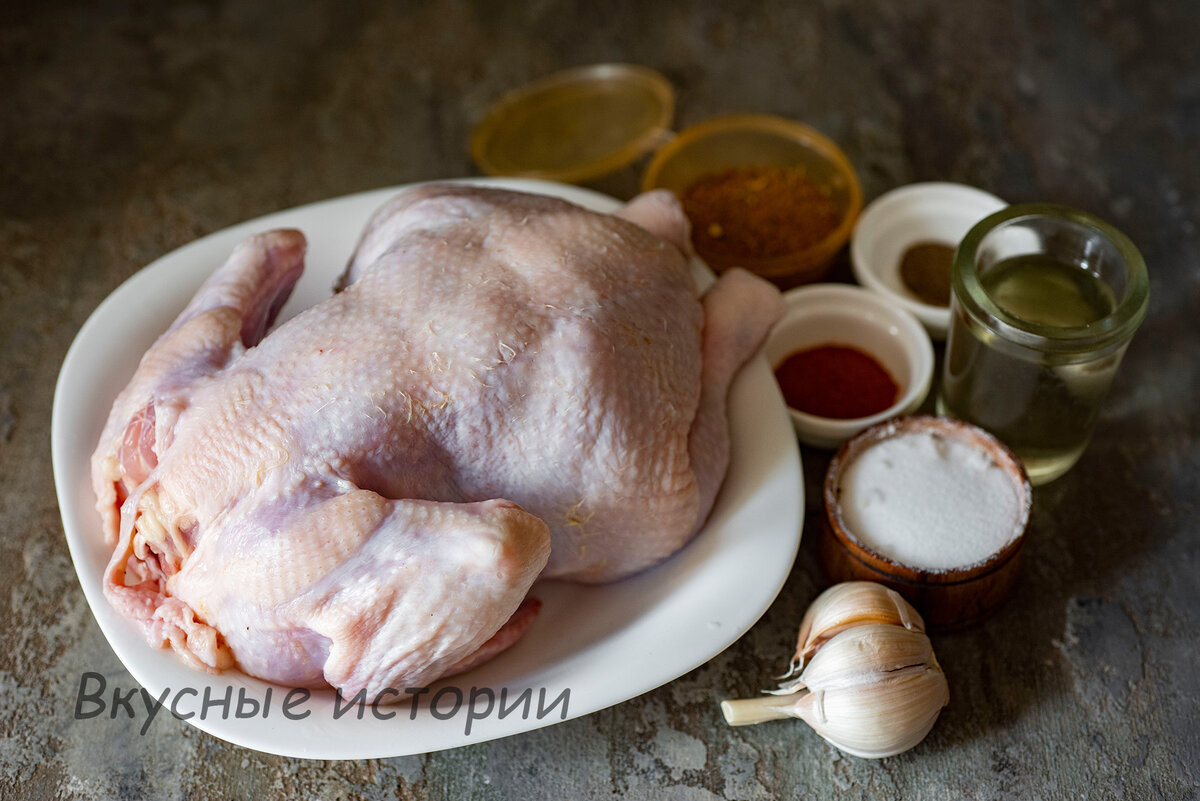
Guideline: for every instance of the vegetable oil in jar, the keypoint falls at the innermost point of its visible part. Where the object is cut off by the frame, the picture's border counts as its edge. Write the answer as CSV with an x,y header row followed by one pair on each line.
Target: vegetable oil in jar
x,y
1044,307
1041,289
1046,409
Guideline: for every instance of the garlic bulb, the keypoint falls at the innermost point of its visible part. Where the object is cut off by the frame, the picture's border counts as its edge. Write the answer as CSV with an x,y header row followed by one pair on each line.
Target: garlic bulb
x,y
872,689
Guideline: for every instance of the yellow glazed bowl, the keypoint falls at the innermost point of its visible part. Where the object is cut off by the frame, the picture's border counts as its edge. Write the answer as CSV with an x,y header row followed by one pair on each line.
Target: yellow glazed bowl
x,y
763,140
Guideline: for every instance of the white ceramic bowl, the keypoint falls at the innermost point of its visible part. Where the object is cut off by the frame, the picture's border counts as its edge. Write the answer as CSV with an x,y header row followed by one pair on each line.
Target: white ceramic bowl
x,y
842,314
896,220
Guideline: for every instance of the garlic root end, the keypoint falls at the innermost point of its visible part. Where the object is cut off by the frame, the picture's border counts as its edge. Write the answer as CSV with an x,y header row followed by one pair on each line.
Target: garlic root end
x,y
748,711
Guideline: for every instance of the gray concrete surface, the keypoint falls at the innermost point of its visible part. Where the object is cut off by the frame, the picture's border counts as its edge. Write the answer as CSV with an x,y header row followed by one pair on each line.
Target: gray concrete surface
x,y
128,129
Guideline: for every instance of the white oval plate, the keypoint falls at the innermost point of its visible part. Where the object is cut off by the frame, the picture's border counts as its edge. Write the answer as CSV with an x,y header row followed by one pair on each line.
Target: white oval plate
x,y
599,645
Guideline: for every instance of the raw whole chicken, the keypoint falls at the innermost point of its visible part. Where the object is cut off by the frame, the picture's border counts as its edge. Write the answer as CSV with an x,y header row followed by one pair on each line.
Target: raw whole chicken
x,y
506,386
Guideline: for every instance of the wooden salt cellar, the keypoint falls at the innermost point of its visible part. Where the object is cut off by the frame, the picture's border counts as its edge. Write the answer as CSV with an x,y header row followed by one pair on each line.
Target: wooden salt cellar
x,y
947,599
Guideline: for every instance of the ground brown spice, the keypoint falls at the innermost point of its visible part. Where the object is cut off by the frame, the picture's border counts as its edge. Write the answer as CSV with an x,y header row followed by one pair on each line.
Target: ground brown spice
x,y
759,211
925,270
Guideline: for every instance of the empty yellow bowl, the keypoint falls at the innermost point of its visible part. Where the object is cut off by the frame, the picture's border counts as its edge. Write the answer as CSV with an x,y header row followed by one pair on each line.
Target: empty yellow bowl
x,y
576,125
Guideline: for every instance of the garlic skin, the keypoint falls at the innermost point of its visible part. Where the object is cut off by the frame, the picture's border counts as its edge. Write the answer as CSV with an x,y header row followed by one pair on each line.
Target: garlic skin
x,y
872,689
857,656
849,604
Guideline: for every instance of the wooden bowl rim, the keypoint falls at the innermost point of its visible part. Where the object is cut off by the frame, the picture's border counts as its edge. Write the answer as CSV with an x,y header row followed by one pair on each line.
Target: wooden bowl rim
x,y
910,574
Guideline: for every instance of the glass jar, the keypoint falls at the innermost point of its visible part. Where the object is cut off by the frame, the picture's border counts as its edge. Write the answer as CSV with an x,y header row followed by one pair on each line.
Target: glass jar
x,y
1045,301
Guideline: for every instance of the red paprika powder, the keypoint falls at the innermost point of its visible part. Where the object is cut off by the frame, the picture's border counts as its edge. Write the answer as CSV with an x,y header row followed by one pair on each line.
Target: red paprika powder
x,y
835,381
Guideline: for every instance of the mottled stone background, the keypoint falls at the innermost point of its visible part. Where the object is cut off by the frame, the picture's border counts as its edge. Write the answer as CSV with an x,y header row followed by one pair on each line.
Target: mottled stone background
x,y
129,128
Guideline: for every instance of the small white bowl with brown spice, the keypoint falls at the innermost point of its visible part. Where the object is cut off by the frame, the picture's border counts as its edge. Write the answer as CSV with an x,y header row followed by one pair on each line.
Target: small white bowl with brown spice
x,y
904,240
834,352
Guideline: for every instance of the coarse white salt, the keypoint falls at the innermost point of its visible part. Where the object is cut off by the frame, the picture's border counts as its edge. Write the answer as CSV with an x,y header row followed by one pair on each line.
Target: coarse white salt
x,y
929,501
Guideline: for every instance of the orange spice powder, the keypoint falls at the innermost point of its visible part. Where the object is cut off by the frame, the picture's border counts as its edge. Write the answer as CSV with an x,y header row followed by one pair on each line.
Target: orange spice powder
x,y
759,211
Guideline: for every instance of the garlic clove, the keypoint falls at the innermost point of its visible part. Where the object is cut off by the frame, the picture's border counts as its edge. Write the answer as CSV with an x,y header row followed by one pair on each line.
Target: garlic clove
x,y
858,654
861,654
880,718
844,606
